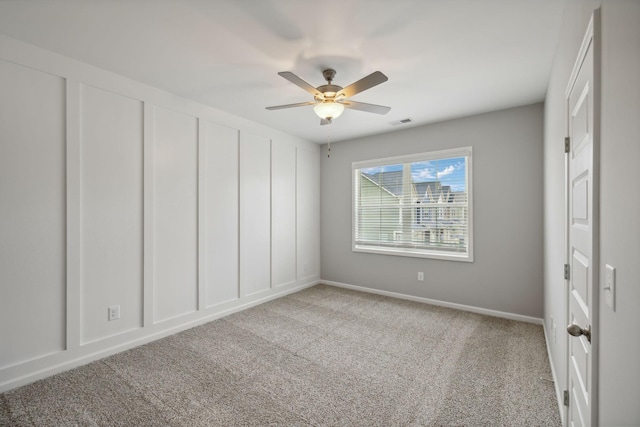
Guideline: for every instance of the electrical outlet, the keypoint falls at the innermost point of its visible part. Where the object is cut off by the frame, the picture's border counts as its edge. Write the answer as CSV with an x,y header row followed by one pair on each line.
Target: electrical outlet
x,y
420,276
114,312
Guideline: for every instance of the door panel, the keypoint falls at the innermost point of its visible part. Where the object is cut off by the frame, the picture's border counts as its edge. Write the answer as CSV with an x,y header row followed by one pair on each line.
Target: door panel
x,y
581,250
579,282
580,200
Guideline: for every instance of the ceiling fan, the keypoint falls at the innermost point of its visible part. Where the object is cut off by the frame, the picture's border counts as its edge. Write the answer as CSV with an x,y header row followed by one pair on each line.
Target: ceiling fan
x,y
330,100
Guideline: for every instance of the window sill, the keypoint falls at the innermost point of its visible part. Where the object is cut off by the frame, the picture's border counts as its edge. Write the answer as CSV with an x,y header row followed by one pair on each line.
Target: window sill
x,y
416,253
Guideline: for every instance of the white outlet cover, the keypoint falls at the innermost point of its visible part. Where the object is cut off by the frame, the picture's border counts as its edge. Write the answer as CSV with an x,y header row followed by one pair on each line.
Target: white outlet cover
x,y
114,312
610,286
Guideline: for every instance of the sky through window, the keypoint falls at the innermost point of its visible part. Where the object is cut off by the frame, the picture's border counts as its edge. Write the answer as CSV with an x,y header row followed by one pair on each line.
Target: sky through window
x,y
449,171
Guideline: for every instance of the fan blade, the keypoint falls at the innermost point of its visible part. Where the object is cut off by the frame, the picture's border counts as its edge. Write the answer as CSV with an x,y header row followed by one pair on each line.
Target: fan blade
x,y
365,83
362,106
299,82
299,104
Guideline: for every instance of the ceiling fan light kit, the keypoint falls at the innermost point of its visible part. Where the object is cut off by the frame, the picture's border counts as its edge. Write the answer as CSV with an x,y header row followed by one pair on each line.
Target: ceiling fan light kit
x,y
330,100
329,110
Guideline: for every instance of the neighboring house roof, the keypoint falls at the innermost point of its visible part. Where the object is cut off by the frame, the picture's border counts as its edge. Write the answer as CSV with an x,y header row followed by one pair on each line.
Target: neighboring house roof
x,y
390,181
426,192
368,178
429,192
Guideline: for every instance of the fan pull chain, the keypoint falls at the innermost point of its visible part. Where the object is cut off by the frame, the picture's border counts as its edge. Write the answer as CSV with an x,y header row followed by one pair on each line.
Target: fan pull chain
x,y
329,140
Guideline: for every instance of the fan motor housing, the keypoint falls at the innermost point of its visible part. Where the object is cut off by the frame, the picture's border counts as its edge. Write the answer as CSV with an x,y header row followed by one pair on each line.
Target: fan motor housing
x,y
332,90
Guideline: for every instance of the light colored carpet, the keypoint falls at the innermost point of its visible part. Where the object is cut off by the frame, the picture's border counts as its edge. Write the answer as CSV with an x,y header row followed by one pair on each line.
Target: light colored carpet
x,y
324,356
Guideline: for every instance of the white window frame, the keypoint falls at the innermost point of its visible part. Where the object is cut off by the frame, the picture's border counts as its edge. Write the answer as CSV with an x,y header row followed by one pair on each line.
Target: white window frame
x,y
412,158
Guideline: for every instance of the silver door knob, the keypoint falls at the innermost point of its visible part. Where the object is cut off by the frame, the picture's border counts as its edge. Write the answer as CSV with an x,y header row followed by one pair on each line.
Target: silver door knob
x,y
576,331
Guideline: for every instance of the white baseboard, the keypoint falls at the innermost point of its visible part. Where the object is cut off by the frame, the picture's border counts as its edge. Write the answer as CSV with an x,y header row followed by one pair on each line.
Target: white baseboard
x,y
479,310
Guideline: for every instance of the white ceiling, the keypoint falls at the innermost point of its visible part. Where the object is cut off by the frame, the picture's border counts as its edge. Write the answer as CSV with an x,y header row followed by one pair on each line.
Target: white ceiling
x,y
444,58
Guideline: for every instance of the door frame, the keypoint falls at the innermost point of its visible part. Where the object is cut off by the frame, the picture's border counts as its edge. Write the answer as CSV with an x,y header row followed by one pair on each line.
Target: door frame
x,y
592,37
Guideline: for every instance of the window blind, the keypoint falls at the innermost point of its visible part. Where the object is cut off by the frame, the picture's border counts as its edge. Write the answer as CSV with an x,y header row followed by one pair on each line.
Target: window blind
x,y
418,205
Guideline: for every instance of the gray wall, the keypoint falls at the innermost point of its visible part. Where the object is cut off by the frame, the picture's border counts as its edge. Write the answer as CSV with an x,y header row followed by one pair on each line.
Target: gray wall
x,y
620,212
507,183
619,376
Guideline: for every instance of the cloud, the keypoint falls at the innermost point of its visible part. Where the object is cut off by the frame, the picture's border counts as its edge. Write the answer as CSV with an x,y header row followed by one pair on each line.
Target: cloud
x,y
379,169
423,174
450,169
447,171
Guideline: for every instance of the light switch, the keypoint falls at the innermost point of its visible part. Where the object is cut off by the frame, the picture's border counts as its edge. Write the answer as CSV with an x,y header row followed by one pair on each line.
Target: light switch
x,y
610,286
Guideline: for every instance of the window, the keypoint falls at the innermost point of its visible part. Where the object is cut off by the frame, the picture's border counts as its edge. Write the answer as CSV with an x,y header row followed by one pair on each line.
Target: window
x,y
417,205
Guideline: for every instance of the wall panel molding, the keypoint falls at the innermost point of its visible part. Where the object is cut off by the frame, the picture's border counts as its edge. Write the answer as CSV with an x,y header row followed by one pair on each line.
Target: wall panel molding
x,y
149,222
283,213
111,137
32,214
255,214
219,210
175,214
74,210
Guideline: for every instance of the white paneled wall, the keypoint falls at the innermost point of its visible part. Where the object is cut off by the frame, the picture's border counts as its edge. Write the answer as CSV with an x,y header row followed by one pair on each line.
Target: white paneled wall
x,y
113,193
307,220
175,214
219,147
111,200
255,214
283,214
32,214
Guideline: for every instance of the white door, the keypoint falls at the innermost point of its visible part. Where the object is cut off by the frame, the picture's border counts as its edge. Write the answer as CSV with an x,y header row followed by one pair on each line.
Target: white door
x,y
582,236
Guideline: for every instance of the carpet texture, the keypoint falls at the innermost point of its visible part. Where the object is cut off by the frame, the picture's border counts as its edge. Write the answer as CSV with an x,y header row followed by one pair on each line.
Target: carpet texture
x,y
324,356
